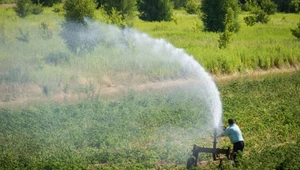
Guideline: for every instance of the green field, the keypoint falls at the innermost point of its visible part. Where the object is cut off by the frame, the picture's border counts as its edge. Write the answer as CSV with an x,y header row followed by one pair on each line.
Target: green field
x,y
55,112
149,131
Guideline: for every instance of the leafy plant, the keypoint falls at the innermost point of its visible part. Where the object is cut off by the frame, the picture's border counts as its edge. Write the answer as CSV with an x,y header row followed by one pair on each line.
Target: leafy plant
x,y
296,31
37,9
23,8
214,14
46,30
157,10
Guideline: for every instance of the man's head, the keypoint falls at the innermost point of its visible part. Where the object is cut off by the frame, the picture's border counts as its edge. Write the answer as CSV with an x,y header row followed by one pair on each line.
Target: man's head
x,y
230,121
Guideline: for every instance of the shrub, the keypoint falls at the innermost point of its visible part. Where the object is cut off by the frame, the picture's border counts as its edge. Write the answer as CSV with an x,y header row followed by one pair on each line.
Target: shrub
x,y
296,31
192,6
126,8
77,33
23,8
214,13
46,30
57,8
49,3
77,10
155,10
257,16
37,9
268,6
57,58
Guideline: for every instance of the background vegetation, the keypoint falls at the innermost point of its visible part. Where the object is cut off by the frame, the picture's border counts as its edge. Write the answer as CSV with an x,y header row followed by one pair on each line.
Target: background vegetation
x,y
134,131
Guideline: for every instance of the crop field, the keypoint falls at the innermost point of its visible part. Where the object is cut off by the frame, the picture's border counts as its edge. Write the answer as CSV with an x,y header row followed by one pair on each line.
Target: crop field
x,y
133,102
148,131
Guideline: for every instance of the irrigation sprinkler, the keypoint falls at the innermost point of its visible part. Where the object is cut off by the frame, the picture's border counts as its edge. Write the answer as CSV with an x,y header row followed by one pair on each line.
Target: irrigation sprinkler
x,y
215,152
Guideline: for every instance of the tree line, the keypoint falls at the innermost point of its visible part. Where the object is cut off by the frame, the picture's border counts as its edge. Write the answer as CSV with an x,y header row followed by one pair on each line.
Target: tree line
x,y
217,15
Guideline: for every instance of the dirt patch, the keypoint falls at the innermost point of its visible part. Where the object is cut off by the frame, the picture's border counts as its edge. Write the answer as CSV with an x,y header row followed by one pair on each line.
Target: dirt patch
x,y
254,74
15,94
7,5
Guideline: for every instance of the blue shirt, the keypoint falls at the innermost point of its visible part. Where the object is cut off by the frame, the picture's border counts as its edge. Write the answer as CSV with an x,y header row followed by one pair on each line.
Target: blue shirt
x,y
234,133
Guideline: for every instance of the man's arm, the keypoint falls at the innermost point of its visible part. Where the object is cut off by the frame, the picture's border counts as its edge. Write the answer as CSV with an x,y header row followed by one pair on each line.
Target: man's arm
x,y
221,135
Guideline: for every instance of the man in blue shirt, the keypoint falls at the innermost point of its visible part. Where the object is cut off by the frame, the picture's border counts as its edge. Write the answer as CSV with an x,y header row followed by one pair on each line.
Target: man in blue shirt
x,y
235,135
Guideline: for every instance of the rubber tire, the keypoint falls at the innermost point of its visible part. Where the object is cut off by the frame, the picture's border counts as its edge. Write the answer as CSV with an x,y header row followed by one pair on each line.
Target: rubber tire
x,y
190,163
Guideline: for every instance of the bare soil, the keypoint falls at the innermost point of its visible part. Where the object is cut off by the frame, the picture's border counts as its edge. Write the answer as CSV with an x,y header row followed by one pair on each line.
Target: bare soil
x,y
19,95
7,5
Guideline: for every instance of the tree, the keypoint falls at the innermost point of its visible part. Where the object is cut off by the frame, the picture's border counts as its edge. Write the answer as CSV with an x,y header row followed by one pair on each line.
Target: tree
x,y
126,8
296,31
155,10
49,3
78,34
23,8
214,14
179,3
288,5
77,10
225,37
192,6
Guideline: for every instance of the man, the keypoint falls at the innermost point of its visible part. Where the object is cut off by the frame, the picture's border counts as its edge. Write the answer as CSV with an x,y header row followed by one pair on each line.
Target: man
x,y
235,135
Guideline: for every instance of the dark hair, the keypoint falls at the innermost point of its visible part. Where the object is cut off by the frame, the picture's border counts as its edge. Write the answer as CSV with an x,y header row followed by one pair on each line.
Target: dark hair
x,y
230,121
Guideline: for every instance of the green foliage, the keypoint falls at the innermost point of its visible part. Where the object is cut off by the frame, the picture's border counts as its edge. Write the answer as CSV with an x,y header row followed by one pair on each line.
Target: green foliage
x,y
126,9
48,3
57,58
257,16
46,30
268,6
214,14
265,116
7,1
37,9
57,8
157,10
192,6
24,36
76,30
179,3
288,5
281,157
139,131
77,10
23,8
230,27
296,31
80,38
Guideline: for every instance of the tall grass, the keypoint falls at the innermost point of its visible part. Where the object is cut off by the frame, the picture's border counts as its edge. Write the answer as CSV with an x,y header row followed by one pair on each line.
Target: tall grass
x,y
262,46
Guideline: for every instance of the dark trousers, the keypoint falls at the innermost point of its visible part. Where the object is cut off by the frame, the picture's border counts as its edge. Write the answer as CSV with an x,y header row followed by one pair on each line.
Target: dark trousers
x,y
237,146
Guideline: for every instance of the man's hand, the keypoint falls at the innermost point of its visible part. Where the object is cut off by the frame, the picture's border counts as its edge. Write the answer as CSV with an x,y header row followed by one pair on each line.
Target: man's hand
x,y
223,127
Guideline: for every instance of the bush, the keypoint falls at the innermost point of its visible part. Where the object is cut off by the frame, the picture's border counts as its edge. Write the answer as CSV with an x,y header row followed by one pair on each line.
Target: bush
x,y
37,9
296,31
57,8
192,6
157,10
214,13
126,8
77,10
23,8
258,16
268,6
49,3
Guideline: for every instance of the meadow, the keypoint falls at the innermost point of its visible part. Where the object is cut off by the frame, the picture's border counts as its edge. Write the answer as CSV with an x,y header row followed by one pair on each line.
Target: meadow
x,y
52,115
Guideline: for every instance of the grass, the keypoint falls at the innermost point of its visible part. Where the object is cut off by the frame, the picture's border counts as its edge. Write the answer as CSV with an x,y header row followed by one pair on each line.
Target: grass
x,y
262,46
154,130
142,130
